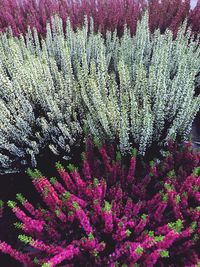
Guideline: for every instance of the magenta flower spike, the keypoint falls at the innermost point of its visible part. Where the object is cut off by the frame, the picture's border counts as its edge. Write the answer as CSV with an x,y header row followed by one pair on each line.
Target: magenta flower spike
x,y
142,217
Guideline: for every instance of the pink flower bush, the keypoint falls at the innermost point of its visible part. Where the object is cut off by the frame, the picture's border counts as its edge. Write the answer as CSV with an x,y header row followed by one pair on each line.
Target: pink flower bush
x,y
111,213
107,15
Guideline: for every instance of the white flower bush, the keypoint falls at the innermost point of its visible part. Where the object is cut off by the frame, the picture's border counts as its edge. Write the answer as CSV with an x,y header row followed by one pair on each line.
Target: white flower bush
x,y
37,108
149,97
136,90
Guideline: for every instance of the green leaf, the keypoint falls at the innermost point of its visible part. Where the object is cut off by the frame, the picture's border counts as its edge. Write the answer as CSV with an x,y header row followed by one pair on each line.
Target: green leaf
x,y
25,239
107,206
11,204
95,253
71,168
151,233
159,238
171,174
34,174
168,186
196,171
53,180
95,182
59,166
139,250
164,253
151,163
46,265
35,260
176,226
46,190
193,225
177,199
1,203
165,197
75,205
18,225
97,142
118,156
66,195
57,212
90,236
128,232
20,198
134,152
144,217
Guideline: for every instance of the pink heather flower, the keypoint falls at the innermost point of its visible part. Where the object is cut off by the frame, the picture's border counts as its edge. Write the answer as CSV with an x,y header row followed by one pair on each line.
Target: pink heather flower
x,y
30,223
140,226
82,217
152,258
159,211
66,254
105,158
41,246
23,258
107,217
86,170
128,207
105,222
46,189
168,240
67,180
110,15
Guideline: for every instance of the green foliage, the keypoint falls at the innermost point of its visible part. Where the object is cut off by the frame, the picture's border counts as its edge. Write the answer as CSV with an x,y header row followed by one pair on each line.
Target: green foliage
x,y
176,226
1,203
107,207
20,198
128,232
71,168
53,180
139,250
34,174
59,166
11,204
66,195
75,205
25,239
18,225
164,253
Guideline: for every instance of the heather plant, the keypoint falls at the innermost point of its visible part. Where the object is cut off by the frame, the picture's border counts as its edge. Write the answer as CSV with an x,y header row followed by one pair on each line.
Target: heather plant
x,y
137,90
37,108
168,14
108,213
149,98
107,15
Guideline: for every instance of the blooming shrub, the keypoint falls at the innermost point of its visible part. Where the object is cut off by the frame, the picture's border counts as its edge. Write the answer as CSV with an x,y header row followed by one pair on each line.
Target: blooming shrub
x,y
108,214
107,15
150,96
142,90
37,103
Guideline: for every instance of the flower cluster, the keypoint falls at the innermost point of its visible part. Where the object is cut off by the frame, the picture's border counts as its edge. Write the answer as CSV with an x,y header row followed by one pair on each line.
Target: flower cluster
x,y
107,15
108,214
